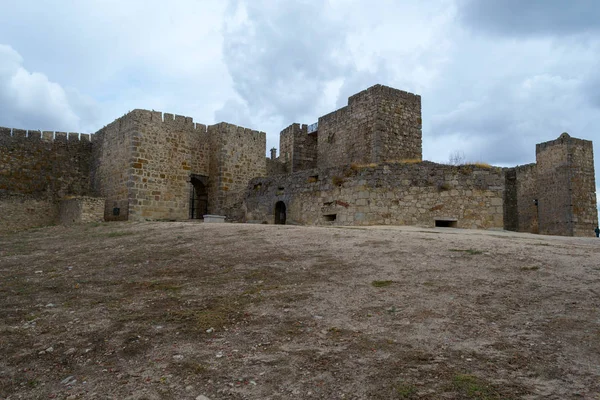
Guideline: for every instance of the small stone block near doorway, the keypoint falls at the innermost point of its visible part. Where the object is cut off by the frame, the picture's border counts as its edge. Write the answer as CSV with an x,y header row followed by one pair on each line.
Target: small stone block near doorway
x,y
211,219
80,210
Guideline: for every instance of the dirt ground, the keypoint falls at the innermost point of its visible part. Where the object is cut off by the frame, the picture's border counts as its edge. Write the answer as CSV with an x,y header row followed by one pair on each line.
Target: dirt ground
x,y
183,310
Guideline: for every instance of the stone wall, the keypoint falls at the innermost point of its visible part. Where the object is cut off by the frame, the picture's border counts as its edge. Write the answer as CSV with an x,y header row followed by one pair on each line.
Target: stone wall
x,y
566,187
78,210
275,167
45,164
237,155
389,193
298,148
111,169
19,212
521,199
144,163
378,124
583,187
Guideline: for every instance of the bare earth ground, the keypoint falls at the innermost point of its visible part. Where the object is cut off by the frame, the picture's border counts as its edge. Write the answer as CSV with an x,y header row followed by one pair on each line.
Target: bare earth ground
x,y
233,311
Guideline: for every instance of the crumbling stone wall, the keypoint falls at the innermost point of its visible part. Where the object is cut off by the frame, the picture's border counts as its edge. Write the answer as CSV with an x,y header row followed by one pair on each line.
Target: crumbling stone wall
x,y
237,155
78,210
389,193
521,199
566,187
378,124
275,167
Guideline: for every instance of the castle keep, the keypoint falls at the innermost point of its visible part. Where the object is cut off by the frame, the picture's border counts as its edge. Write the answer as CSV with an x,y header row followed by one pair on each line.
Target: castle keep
x,y
359,165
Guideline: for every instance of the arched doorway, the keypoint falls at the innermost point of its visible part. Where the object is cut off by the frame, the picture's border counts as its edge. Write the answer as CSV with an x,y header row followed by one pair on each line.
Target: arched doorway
x,y
198,196
280,213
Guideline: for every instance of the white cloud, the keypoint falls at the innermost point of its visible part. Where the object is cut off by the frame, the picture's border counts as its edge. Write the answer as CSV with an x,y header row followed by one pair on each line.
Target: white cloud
x,y
30,100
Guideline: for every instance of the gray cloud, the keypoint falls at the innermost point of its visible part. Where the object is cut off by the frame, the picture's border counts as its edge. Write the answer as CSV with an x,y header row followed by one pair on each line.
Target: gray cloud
x,y
282,55
531,17
503,126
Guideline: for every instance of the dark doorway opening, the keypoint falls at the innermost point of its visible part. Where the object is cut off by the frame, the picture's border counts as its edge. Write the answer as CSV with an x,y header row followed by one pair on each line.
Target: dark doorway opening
x,y
280,214
446,223
198,196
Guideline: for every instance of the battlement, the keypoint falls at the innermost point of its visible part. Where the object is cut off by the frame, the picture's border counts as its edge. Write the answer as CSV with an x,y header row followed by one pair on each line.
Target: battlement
x,y
225,127
384,91
563,139
46,136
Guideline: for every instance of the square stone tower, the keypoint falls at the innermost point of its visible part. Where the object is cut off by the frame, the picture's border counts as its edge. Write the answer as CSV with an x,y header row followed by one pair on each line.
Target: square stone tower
x,y
378,124
566,187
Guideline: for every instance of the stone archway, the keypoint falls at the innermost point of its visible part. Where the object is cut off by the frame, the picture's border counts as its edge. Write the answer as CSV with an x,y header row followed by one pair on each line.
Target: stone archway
x,y
280,213
198,196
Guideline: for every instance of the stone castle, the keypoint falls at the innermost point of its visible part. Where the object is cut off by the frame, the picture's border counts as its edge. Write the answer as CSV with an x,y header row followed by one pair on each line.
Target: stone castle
x,y
359,165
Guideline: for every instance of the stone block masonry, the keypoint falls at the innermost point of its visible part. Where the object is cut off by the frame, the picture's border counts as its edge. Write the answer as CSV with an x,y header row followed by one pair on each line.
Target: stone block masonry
x,y
378,124
144,162
359,165
521,199
566,187
36,170
45,164
78,210
384,194
236,156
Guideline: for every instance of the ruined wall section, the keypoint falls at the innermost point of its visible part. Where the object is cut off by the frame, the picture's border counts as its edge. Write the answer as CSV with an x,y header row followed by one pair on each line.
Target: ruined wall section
x,y
298,149
275,167
389,194
44,164
378,124
237,155
81,209
521,193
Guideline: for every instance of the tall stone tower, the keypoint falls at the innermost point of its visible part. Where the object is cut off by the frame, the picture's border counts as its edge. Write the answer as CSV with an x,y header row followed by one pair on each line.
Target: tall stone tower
x,y
566,187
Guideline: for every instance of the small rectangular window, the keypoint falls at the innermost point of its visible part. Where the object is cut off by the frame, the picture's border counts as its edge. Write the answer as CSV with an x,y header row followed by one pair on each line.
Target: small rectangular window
x,y
329,217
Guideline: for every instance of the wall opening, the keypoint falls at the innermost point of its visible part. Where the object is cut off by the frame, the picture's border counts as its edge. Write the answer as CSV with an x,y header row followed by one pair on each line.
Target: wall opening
x,y
280,214
446,223
329,217
198,196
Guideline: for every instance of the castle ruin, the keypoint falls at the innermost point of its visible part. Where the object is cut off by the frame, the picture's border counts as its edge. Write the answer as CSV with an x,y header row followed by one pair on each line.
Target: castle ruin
x,y
359,165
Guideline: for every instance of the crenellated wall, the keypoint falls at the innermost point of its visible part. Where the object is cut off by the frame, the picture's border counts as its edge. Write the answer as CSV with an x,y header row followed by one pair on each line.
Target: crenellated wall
x,y
360,167
386,194
165,150
237,155
45,164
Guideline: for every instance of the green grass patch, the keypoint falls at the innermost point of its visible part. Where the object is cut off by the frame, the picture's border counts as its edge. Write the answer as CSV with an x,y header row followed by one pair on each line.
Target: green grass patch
x,y
472,387
381,283
405,391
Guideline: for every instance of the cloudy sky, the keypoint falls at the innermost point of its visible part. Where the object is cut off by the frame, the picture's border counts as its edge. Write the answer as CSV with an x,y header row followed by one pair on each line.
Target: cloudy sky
x,y
495,77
